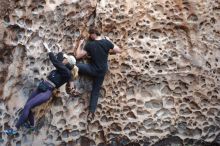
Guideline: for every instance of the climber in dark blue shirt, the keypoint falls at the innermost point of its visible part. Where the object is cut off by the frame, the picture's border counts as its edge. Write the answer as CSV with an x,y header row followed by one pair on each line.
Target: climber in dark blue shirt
x,y
98,50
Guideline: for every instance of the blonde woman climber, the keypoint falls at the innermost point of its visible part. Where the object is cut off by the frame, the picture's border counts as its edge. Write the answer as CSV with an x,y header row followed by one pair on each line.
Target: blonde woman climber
x,y
65,72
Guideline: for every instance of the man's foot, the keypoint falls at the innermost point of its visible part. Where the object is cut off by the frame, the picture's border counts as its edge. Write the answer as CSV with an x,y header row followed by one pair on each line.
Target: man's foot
x,y
90,117
10,132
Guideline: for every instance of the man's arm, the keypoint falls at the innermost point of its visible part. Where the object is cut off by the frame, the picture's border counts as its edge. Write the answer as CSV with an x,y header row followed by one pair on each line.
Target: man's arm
x,y
116,49
80,53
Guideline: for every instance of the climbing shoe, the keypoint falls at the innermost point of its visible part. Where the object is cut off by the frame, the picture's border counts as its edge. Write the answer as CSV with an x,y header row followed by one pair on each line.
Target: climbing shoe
x,y
10,132
27,125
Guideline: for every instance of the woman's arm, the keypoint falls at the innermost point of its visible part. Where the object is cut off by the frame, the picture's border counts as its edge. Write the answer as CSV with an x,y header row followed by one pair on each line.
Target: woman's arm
x,y
59,56
59,65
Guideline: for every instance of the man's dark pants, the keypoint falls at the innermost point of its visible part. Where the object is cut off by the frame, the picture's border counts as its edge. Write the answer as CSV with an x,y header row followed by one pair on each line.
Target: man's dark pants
x,y
98,78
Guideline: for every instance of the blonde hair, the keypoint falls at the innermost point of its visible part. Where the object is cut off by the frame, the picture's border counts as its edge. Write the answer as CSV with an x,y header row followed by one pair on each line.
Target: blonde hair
x,y
75,71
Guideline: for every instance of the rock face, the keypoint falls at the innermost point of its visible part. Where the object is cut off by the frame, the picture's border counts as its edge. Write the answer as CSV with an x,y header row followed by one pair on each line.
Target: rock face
x,y
162,90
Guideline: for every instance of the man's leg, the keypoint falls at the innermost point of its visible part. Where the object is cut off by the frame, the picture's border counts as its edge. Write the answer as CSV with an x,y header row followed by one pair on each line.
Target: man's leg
x,y
86,69
37,100
97,83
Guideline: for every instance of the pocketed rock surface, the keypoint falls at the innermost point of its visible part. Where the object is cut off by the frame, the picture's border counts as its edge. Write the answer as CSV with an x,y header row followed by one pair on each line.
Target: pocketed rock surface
x,y
163,89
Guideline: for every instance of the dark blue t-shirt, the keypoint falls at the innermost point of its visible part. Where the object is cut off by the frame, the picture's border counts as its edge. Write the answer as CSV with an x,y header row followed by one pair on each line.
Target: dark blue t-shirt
x,y
98,50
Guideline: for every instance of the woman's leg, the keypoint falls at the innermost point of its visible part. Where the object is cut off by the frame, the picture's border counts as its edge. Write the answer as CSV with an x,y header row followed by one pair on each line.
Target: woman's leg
x,y
31,118
37,100
33,94
30,115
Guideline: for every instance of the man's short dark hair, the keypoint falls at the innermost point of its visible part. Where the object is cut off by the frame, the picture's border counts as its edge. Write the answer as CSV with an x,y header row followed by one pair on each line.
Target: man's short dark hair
x,y
94,31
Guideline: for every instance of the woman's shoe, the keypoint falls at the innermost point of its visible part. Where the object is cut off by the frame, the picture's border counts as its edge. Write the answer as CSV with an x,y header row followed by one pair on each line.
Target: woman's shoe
x,y
27,125
10,132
